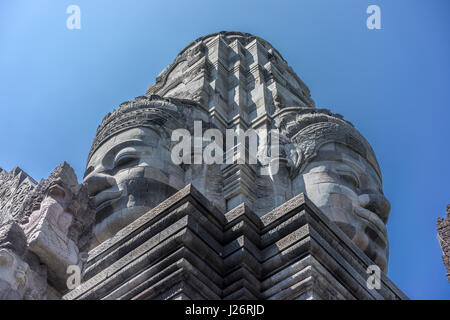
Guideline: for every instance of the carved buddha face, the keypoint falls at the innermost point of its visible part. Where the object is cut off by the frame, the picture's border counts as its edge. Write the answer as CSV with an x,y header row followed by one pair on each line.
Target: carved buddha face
x,y
128,175
348,190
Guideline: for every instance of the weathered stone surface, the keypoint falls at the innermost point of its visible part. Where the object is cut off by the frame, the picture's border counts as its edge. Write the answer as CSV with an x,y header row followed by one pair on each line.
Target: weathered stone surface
x,y
46,228
172,251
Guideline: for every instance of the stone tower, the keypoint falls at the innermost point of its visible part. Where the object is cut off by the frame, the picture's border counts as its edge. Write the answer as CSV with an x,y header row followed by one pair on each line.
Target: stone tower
x,y
302,216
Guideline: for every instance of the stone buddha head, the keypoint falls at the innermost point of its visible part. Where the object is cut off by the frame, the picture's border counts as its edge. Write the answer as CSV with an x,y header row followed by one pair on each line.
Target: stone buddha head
x,y
336,168
129,170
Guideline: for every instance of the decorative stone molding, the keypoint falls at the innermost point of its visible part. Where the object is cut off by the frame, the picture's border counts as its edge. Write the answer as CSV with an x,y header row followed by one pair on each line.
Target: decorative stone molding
x,y
305,130
185,248
14,188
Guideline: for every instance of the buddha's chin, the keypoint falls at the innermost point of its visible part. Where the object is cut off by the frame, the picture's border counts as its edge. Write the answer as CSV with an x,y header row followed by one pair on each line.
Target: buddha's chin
x,y
116,220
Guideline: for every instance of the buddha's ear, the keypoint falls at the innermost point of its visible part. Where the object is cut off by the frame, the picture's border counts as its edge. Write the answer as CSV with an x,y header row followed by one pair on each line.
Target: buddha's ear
x,y
6,258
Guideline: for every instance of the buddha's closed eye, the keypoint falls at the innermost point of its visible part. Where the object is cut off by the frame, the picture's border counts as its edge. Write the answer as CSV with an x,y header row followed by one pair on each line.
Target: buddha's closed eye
x,y
349,178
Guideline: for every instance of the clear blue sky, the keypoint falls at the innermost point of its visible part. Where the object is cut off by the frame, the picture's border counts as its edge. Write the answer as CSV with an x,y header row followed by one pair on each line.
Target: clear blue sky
x,y
57,84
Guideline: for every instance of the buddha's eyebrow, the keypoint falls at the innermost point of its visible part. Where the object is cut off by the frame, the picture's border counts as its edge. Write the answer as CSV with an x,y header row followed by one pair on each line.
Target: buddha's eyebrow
x,y
129,143
113,151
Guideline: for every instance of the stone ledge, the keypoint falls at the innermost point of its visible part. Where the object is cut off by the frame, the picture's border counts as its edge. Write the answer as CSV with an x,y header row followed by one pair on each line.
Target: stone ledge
x,y
185,248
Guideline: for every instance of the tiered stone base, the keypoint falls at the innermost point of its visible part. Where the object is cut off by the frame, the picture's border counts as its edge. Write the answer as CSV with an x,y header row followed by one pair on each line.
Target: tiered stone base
x,y
187,249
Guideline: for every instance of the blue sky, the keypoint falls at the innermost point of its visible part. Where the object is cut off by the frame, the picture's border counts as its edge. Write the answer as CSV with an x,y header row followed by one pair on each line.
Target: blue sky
x,y
57,84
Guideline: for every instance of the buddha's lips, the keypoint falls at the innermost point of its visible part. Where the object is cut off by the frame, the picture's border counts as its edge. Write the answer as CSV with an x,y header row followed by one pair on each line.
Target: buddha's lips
x,y
105,196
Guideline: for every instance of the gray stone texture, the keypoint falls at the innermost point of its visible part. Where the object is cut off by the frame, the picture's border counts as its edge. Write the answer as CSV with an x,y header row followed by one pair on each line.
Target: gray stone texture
x,y
45,228
185,248
14,187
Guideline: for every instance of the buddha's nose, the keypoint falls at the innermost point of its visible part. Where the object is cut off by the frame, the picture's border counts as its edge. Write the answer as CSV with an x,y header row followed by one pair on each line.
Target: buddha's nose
x,y
377,203
97,182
